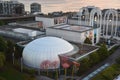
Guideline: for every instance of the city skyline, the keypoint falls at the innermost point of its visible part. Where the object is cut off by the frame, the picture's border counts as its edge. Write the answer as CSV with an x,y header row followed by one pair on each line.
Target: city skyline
x,y
70,5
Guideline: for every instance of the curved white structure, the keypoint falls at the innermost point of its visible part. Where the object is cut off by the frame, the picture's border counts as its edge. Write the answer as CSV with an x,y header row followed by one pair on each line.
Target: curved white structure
x,y
86,15
98,18
108,21
114,19
43,53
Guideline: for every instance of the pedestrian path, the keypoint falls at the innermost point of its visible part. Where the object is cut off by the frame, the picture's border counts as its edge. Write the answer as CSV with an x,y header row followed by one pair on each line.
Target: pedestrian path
x,y
96,72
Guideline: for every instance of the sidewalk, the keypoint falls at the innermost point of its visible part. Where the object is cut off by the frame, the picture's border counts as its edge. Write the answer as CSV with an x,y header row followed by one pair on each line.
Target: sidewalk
x,y
43,78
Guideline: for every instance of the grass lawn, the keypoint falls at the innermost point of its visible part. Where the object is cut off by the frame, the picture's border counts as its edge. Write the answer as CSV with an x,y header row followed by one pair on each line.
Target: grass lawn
x,y
10,73
109,73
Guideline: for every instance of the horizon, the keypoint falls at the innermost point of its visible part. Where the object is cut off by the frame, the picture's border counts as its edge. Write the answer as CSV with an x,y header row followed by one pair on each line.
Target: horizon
x,y
70,5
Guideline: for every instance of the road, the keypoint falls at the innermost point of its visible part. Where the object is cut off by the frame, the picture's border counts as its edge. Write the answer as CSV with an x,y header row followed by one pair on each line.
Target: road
x,y
110,60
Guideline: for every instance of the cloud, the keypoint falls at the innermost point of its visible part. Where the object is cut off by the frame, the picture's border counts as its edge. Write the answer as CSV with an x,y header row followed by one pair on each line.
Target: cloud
x,y
71,5
44,1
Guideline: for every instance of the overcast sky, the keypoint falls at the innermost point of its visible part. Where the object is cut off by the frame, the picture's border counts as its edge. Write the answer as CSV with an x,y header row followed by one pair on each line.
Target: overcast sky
x,y
71,5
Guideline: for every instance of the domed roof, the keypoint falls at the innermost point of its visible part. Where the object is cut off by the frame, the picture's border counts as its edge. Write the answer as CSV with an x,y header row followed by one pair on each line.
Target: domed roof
x,y
45,50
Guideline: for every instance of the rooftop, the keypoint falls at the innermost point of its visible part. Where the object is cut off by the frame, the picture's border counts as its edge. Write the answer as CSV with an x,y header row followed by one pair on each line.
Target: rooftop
x,y
75,28
20,32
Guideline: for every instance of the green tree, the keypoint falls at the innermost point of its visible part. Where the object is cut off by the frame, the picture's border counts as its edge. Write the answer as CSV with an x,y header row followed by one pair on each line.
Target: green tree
x,y
10,50
107,74
84,66
2,59
103,52
3,45
18,51
87,41
94,58
2,78
1,23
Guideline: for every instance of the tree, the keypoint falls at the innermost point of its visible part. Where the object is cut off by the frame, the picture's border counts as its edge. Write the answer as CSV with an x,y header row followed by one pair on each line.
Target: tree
x,y
2,59
2,78
10,50
87,41
3,45
107,74
103,52
84,66
18,51
1,23
94,58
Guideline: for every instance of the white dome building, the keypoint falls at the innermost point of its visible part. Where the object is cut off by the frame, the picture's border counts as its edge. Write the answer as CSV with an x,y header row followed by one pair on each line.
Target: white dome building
x,y
43,53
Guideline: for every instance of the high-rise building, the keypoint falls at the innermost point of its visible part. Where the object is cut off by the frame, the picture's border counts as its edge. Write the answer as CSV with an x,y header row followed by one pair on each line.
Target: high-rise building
x,y
11,8
35,7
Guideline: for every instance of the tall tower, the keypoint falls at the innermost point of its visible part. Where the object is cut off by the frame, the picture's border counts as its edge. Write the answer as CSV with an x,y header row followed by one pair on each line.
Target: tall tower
x,y
11,8
35,7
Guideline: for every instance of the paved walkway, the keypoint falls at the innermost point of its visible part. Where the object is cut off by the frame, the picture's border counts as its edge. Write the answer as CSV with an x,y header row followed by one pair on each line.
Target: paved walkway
x,y
96,72
43,78
110,60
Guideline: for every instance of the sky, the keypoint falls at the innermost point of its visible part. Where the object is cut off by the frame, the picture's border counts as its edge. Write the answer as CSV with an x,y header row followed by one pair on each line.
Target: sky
x,y
70,5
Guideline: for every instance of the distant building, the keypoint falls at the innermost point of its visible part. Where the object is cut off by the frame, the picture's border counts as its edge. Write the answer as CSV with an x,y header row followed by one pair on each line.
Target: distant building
x,y
35,7
56,14
11,8
49,21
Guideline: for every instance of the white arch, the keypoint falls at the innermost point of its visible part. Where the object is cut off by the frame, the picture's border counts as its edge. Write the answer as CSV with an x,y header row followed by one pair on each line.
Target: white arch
x,y
99,15
99,18
114,14
86,15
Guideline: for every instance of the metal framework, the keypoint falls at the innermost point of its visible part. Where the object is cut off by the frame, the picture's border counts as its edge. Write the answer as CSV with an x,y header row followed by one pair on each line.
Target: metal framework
x,y
86,15
108,19
98,18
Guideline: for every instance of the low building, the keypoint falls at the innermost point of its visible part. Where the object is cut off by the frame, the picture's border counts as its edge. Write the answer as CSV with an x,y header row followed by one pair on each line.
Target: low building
x,y
31,24
51,20
20,32
74,33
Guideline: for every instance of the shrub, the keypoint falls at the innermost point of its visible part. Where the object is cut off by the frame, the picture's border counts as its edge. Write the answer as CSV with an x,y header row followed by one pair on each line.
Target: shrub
x,y
3,45
18,52
84,66
103,52
2,23
10,50
29,71
94,58
2,59
30,78
1,78
87,41
109,73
